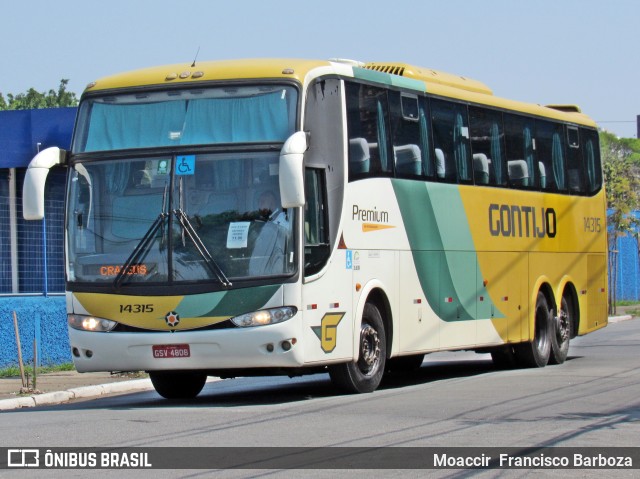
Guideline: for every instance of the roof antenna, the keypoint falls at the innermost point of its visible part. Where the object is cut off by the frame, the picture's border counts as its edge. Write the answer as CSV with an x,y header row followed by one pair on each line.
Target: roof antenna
x,y
195,58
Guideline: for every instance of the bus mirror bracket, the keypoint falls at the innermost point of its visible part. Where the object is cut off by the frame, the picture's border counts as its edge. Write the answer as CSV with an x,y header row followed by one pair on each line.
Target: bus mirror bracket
x,y
292,170
35,179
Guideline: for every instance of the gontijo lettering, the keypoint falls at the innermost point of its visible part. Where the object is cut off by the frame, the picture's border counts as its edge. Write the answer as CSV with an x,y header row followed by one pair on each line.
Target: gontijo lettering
x,y
522,221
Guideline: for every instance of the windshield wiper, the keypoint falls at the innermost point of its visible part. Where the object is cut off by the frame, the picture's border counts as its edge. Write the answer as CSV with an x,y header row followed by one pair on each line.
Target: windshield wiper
x,y
189,230
141,248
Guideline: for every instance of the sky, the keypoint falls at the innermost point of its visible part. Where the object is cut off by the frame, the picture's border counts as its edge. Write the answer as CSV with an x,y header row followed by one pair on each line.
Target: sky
x,y
582,52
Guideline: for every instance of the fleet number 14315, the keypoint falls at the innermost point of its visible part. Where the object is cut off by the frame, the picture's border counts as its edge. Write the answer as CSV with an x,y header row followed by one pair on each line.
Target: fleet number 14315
x,y
136,308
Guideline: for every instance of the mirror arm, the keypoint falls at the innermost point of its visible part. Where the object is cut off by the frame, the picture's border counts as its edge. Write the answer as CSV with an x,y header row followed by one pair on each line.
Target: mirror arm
x,y
35,179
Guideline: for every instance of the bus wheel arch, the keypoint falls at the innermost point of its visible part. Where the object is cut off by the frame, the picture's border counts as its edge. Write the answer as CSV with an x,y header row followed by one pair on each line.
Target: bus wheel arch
x,y
536,353
378,298
571,293
364,373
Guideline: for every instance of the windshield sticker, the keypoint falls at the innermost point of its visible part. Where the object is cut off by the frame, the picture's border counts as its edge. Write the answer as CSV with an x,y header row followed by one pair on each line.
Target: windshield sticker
x,y
238,234
163,167
186,165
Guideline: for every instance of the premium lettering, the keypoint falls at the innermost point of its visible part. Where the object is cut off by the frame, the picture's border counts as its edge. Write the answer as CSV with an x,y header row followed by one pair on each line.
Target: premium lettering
x,y
373,215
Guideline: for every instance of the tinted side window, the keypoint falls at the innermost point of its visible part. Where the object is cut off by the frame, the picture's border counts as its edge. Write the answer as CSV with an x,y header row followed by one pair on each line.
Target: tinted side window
x,y
575,168
410,135
487,147
589,142
522,168
367,123
550,146
451,142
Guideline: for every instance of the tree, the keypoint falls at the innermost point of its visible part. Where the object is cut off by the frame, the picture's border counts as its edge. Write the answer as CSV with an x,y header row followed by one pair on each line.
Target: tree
x,y
33,99
622,179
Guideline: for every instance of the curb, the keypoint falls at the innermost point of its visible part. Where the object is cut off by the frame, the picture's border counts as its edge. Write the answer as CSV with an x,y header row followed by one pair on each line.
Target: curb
x,y
60,397
617,319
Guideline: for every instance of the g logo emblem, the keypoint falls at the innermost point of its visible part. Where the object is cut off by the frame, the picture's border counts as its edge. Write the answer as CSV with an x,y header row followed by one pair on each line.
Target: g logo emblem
x,y
327,330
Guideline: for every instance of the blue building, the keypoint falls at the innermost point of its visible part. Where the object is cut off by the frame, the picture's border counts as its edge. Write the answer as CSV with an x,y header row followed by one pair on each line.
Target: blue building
x,y
624,267
31,252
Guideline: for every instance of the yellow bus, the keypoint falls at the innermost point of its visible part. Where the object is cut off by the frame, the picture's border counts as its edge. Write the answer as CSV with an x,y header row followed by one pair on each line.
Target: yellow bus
x,y
281,216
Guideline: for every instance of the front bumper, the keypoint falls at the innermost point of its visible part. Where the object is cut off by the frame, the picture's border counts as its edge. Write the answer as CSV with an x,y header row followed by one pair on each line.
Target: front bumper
x,y
237,348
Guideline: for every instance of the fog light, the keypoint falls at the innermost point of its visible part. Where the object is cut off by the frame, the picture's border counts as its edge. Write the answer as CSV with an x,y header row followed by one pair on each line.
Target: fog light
x,y
286,345
88,353
75,352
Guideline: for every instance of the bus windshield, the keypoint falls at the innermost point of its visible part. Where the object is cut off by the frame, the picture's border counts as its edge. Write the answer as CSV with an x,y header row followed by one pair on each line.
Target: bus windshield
x,y
178,117
184,218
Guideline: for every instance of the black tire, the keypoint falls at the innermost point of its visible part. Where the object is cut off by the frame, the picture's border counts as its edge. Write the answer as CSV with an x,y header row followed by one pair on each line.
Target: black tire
x,y
405,364
561,333
535,354
365,374
177,385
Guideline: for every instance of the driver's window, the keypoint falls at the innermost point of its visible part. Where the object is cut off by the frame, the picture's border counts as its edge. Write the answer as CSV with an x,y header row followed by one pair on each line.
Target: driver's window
x,y
316,251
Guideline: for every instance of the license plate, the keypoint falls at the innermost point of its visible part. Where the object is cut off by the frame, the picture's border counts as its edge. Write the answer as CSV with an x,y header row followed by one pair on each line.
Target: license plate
x,y
171,351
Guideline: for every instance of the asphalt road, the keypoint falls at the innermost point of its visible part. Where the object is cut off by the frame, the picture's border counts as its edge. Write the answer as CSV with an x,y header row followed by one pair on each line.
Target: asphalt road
x,y
454,399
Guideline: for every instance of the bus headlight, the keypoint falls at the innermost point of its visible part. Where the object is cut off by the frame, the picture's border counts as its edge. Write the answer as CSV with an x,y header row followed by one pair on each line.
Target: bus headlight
x,y
265,316
90,323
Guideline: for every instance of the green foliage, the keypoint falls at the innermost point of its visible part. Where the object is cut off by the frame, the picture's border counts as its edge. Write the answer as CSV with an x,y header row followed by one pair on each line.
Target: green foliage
x,y
622,179
33,99
629,147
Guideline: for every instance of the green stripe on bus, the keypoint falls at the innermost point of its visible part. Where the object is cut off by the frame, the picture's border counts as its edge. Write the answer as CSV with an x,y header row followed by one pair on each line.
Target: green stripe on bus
x,y
387,79
240,301
448,276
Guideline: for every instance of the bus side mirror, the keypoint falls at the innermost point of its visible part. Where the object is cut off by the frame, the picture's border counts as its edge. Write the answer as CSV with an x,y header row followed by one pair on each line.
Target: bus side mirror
x,y
292,170
35,179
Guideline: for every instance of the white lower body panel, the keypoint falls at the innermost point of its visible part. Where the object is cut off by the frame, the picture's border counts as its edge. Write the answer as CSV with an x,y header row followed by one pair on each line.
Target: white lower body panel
x,y
259,347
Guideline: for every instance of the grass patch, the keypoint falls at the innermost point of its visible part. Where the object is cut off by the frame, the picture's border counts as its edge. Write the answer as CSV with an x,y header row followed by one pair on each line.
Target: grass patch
x,y
628,303
14,371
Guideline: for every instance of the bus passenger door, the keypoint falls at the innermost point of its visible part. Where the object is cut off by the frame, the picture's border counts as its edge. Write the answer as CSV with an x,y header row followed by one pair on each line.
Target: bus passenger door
x,y
326,288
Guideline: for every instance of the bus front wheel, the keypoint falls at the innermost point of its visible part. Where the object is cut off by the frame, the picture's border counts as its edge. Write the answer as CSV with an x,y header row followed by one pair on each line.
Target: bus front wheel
x,y
177,385
535,354
365,374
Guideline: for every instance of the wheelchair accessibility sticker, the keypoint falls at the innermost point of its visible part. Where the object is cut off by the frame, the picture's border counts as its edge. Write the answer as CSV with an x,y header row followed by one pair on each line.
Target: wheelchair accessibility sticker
x,y
353,260
186,165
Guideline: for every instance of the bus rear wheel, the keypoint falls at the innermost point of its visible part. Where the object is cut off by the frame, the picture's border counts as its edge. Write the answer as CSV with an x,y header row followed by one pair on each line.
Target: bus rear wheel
x,y
177,385
561,333
535,354
365,374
